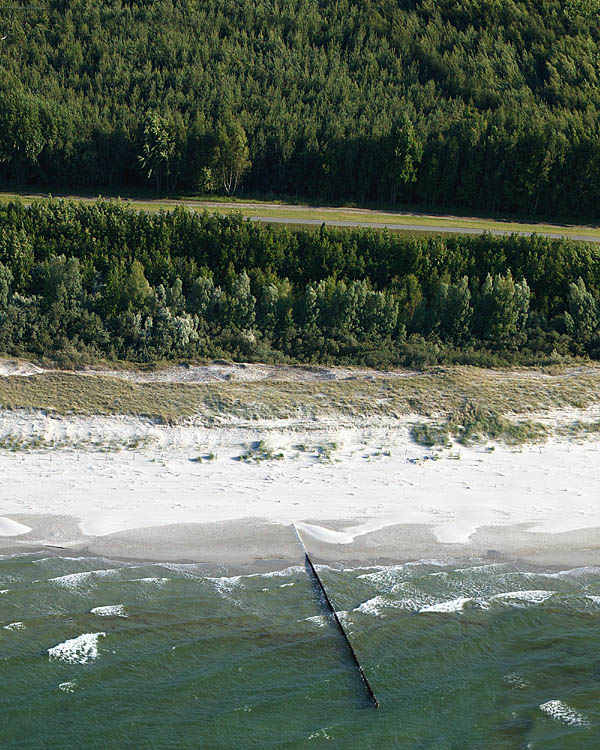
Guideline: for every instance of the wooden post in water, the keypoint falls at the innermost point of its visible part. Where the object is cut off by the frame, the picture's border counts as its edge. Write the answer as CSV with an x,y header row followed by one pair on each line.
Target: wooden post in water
x,y
349,646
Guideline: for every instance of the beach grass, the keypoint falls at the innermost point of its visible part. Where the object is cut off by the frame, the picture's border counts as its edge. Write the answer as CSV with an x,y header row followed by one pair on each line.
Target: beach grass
x,y
461,401
474,426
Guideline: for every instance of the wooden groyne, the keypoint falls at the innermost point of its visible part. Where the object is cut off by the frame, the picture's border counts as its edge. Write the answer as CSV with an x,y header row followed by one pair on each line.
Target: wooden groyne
x,y
315,576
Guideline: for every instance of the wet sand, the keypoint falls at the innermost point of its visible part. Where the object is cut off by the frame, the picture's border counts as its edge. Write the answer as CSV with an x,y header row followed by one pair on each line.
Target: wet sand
x,y
262,545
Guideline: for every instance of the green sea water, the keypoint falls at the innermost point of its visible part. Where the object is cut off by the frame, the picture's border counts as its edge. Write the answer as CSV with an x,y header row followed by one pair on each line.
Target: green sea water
x,y
96,653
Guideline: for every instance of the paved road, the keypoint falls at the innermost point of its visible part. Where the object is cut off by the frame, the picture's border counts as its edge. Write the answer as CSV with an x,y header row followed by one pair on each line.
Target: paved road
x,y
422,228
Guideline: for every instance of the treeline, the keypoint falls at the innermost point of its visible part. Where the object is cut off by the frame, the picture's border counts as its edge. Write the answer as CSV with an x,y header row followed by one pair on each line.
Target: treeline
x,y
493,104
81,281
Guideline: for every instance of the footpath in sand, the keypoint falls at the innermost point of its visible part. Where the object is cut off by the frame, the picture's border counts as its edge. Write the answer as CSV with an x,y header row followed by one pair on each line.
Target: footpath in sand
x,y
358,488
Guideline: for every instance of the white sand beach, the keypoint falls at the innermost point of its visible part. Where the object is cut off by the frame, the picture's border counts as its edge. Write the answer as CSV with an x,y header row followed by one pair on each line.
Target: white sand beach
x,y
347,484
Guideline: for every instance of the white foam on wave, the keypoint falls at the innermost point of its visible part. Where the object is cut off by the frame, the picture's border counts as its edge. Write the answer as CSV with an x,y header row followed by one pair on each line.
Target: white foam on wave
x,y
421,602
377,604
14,626
67,687
536,596
54,558
512,598
225,584
587,570
284,572
321,734
454,605
110,610
74,580
373,606
4,591
71,580
318,620
78,650
436,562
389,575
579,572
516,680
188,570
481,566
559,711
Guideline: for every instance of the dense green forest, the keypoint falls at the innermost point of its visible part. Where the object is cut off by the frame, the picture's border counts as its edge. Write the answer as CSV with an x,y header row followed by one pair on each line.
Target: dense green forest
x,y
489,104
82,281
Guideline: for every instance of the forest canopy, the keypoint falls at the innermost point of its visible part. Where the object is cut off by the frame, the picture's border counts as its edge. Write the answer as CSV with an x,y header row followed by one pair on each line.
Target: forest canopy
x,y
487,104
87,281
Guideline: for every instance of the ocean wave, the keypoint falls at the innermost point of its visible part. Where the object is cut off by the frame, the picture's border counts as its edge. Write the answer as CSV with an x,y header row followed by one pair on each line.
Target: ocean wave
x,y
188,570
284,572
67,687
559,711
377,604
454,605
75,580
4,591
421,602
436,562
77,650
321,734
385,575
373,606
591,570
483,566
110,610
392,574
319,620
151,579
581,572
516,680
225,584
14,626
536,596
55,558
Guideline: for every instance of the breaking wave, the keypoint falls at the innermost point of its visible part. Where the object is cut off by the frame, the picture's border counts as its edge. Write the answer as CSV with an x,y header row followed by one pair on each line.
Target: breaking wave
x,y
78,650
110,610
559,711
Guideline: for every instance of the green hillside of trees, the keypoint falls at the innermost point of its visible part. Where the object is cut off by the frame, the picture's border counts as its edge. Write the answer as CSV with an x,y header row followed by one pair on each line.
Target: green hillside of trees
x,y
488,104
81,281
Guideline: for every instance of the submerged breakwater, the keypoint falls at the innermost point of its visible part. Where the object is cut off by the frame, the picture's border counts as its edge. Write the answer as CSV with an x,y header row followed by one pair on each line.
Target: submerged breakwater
x,y
98,653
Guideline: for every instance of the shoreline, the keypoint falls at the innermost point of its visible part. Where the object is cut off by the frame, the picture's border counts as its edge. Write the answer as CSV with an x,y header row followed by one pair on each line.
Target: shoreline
x,y
260,545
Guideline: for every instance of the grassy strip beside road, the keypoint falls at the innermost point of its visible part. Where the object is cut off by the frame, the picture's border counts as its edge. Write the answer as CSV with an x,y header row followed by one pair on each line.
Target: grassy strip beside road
x,y
411,221
403,221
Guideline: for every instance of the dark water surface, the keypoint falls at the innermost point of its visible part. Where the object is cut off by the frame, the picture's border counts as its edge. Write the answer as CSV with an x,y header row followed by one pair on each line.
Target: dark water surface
x,y
461,654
